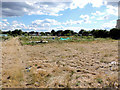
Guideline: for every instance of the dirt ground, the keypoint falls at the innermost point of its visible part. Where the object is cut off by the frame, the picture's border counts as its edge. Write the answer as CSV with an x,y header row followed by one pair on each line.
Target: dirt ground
x,y
60,65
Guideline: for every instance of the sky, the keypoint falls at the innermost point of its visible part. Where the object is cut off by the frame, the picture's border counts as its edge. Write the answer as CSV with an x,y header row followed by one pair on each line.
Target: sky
x,y
45,15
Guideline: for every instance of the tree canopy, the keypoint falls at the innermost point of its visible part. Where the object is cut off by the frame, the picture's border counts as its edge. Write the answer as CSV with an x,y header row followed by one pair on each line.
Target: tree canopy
x,y
113,33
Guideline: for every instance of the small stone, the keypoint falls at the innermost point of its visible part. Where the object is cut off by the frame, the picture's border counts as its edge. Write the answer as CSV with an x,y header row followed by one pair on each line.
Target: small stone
x,y
78,71
8,77
61,85
36,83
28,84
38,67
102,66
97,62
28,70
113,68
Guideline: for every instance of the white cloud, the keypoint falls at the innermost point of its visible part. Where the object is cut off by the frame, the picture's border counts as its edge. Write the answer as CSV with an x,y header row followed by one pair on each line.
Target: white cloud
x,y
92,17
79,4
45,22
98,3
71,22
13,25
14,22
98,13
105,14
76,29
44,25
45,8
112,10
86,18
38,8
4,20
36,25
109,25
103,17
83,3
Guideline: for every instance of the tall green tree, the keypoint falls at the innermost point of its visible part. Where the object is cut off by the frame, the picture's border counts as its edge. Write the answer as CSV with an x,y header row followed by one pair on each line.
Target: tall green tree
x,y
115,33
0,32
42,33
59,33
53,32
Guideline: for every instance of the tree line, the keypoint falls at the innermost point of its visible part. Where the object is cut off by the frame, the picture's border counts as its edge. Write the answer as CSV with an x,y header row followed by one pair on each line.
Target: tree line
x,y
114,33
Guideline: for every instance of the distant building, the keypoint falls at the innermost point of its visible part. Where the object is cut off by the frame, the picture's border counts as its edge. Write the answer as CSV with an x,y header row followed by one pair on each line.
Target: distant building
x,y
118,24
118,21
35,34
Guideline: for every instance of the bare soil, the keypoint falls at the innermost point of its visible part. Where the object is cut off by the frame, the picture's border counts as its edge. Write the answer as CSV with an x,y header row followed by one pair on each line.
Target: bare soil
x,y
60,65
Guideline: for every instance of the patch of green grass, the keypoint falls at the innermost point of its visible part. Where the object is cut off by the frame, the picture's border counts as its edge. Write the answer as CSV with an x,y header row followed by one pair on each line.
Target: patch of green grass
x,y
78,83
36,65
72,72
25,39
3,38
103,60
99,80
77,77
110,54
106,55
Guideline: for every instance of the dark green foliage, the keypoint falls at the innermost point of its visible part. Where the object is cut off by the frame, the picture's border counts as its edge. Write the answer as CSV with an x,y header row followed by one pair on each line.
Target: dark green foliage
x,y
81,31
14,33
17,32
47,33
64,33
5,38
68,33
115,33
53,33
59,33
100,33
0,32
99,80
42,33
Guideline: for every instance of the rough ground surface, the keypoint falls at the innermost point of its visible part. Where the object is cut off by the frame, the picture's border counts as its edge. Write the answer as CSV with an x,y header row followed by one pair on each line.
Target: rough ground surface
x,y
74,64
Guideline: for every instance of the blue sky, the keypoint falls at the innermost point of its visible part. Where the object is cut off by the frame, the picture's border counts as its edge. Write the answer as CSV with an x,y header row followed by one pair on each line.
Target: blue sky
x,y
45,16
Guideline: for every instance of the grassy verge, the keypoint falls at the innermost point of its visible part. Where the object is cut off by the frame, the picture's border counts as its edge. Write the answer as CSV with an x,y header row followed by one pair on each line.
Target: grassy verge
x,y
3,38
27,40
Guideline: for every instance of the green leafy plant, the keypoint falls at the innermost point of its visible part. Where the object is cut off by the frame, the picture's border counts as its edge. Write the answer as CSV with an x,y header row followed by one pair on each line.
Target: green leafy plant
x,y
99,80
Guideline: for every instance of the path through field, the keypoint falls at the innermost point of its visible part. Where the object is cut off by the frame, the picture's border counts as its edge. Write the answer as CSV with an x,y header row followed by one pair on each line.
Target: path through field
x,y
72,64
14,61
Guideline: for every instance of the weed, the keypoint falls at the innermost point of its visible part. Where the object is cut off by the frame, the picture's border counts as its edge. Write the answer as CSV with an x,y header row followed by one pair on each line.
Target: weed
x,y
36,65
99,80
72,72
3,38
78,83
113,81
111,55
26,39
77,77
106,55
102,60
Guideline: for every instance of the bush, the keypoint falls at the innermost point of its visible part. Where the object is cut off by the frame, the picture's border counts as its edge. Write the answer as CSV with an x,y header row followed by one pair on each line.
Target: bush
x,y
115,33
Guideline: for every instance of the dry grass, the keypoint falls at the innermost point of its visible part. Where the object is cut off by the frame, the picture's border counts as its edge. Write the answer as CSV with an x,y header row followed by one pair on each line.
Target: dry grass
x,y
13,77
60,65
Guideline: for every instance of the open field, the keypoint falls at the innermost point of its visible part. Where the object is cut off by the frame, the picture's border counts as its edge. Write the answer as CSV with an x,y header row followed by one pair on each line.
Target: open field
x,y
26,40
86,64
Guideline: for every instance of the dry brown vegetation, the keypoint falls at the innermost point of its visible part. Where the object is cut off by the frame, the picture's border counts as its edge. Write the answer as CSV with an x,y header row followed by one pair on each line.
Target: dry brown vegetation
x,y
60,65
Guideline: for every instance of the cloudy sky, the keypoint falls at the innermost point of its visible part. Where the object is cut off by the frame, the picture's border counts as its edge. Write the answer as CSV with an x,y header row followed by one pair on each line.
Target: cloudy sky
x,y
45,15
